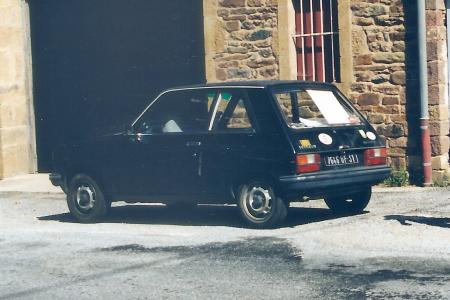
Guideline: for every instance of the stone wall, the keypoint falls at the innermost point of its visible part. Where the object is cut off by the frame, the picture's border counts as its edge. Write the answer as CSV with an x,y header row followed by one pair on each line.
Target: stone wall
x,y
378,46
245,40
438,85
245,47
17,154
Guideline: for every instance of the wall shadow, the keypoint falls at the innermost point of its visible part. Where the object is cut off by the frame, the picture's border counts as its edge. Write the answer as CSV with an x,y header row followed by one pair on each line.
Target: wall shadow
x,y
431,221
202,215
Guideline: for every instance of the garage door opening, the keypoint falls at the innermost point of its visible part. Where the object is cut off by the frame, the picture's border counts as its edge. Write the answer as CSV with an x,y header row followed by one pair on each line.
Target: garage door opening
x,y
97,63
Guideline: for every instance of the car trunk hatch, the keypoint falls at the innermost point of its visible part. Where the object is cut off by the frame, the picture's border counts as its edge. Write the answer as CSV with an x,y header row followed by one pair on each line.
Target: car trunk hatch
x,y
338,147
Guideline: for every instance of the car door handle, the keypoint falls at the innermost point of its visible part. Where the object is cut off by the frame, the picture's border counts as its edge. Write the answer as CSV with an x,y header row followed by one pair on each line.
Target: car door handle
x,y
193,144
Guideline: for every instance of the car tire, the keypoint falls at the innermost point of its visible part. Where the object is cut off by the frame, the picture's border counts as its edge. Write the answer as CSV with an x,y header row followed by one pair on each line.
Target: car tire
x,y
352,204
86,200
259,207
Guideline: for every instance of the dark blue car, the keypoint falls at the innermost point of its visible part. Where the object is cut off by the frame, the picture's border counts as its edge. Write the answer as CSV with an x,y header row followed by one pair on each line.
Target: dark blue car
x,y
260,145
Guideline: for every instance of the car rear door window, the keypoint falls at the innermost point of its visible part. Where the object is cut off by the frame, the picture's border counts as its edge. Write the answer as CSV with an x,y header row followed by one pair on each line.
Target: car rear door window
x,y
231,112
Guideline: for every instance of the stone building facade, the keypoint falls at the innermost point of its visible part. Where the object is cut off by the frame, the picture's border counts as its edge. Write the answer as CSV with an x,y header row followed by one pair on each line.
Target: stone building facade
x,y
17,141
438,84
253,39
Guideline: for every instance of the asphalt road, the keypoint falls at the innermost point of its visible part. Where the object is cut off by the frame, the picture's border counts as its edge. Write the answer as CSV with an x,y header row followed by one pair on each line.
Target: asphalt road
x,y
398,249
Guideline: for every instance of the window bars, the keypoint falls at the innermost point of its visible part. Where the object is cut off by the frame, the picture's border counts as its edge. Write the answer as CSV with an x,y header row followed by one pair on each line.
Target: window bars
x,y
317,40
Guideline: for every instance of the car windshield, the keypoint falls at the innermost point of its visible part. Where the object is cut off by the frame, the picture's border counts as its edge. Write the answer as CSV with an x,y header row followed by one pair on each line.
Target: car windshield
x,y
315,108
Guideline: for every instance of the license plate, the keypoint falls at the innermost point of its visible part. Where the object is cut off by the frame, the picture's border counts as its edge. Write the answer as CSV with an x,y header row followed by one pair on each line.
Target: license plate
x,y
341,160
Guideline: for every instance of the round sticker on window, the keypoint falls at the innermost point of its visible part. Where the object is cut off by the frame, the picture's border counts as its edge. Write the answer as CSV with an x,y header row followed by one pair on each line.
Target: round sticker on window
x,y
371,136
325,139
362,133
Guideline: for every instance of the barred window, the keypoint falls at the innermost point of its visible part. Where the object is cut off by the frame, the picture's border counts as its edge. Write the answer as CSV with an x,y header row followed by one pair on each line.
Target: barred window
x,y
317,40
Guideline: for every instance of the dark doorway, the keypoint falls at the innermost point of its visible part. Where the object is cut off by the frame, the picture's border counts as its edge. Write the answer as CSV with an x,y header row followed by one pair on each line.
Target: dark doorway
x,y
97,63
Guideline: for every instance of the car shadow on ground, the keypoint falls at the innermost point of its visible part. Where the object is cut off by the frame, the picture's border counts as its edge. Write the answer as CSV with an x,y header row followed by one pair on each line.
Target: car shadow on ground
x,y
202,215
431,221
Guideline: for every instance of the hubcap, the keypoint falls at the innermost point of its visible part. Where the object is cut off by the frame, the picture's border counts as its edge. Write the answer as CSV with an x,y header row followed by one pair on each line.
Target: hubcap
x,y
258,203
85,198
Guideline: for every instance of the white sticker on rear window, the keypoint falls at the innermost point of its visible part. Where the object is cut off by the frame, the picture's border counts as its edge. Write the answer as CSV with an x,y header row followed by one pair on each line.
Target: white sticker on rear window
x,y
371,136
329,106
325,139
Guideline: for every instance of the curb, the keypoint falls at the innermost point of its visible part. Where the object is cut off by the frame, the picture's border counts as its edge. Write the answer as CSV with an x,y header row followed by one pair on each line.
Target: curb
x,y
31,183
403,189
40,183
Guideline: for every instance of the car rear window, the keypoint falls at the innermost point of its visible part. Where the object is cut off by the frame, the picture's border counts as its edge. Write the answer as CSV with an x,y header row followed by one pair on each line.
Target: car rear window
x,y
315,108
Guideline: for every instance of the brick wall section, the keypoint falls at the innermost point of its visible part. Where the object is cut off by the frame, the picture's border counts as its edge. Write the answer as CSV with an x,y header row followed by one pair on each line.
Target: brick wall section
x,y
248,30
16,140
438,88
378,42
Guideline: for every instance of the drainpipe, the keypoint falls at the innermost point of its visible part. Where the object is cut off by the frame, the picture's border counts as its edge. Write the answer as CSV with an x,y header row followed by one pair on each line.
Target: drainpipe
x,y
423,86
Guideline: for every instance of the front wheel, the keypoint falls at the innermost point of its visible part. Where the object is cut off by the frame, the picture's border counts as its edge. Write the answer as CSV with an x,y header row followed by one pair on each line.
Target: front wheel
x,y
260,207
85,199
352,204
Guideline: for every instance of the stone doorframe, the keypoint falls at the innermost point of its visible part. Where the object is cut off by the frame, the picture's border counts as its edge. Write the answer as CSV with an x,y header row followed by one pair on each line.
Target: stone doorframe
x,y
438,38
17,123
447,6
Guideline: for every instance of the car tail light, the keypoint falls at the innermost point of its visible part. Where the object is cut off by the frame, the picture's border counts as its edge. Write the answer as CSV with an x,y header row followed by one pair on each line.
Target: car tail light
x,y
373,157
308,163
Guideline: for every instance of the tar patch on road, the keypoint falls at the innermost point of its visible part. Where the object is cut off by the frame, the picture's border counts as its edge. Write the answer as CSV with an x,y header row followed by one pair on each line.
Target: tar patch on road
x,y
274,262
264,247
421,280
261,267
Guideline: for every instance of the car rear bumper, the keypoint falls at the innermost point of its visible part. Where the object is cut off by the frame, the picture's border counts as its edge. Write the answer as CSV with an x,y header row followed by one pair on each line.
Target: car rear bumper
x,y
335,181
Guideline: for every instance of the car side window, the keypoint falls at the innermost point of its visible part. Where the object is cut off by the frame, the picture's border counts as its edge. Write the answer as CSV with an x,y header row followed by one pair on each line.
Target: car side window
x,y
231,113
239,117
177,112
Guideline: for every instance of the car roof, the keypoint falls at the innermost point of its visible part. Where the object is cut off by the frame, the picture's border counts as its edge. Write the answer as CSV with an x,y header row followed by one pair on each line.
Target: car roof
x,y
252,84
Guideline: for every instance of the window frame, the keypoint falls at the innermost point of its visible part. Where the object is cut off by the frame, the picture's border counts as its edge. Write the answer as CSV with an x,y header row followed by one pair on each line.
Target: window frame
x,y
311,33
249,111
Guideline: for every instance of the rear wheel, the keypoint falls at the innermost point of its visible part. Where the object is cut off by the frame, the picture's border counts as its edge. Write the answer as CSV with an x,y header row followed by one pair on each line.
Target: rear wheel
x,y
353,204
85,199
260,207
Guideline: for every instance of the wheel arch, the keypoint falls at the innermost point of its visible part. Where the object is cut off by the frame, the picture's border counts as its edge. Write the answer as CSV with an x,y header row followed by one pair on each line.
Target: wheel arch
x,y
96,175
269,179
